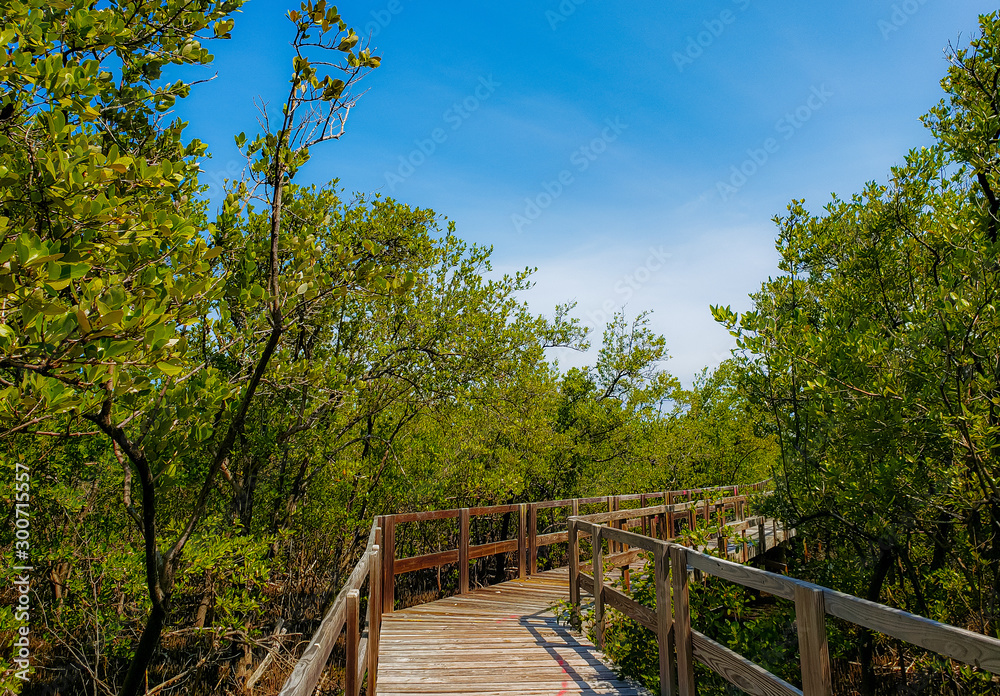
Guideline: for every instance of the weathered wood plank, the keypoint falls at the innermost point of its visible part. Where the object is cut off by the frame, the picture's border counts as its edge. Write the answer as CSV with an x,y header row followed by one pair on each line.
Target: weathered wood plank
x,y
772,583
957,643
429,560
313,661
493,510
492,549
552,538
500,640
463,551
810,620
425,516
631,608
739,671
682,621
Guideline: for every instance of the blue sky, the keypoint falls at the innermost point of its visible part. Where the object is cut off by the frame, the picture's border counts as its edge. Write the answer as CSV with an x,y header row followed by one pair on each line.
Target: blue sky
x,y
634,152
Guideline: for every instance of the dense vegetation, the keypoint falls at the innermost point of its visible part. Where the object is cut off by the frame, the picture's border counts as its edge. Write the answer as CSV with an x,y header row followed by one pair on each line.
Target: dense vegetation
x,y
212,406
876,355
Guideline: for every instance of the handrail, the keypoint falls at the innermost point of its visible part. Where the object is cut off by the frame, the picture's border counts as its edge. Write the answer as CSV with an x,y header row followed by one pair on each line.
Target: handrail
x,y
379,564
680,645
362,654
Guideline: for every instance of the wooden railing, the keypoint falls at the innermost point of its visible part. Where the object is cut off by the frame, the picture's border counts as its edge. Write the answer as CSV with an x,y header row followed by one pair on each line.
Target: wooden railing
x,y
362,651
380,566
698,503
680,645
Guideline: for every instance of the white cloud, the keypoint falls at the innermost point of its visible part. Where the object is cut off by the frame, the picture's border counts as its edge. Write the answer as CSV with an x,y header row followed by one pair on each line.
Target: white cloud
x,y
677,280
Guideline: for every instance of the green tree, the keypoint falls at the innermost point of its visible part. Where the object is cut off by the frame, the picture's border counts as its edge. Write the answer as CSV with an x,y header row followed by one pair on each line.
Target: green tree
x,y
876,355
106,270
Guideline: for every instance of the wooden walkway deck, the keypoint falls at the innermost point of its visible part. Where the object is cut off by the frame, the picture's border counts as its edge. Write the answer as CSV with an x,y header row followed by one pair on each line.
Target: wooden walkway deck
x,y
499,640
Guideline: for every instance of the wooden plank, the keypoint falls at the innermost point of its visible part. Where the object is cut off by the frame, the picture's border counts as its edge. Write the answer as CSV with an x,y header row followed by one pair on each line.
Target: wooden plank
x,y
645,616
739,671
622,560
587,583
555,503
631,538
428,560
493,510
810,621
491,549
597,588
600,517
532,539
374,612
362,663
425,516
951,641
352,687
522,544
553,538
664,621
682,621
463,551
773,583
389,564
574,572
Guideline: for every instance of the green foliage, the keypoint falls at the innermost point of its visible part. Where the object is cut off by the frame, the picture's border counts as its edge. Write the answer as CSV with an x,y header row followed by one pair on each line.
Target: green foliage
x,y
875,352
211,405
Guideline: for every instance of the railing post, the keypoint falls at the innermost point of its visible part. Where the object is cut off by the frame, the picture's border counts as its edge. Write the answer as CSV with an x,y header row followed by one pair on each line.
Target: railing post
x,y
522,545
762,536
682,621
351,686
620,524
645,520
810,619
463,551
374,611
723,547
574,571
389,563
611,508
668,497
598,568
664,619
533,538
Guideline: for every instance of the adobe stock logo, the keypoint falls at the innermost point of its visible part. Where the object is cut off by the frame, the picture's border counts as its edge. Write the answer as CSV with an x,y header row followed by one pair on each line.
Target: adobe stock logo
x,y
901,14
456,115
581,159
757,157
563,12
382,18
698,43
627,286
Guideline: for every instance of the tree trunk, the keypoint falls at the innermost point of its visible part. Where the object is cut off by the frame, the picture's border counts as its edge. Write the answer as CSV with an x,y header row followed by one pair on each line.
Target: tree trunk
x,y
135,680
867,652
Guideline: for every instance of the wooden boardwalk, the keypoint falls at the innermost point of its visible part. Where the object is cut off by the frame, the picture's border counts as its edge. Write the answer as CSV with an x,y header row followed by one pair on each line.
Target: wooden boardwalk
x,y
504,639
499,640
